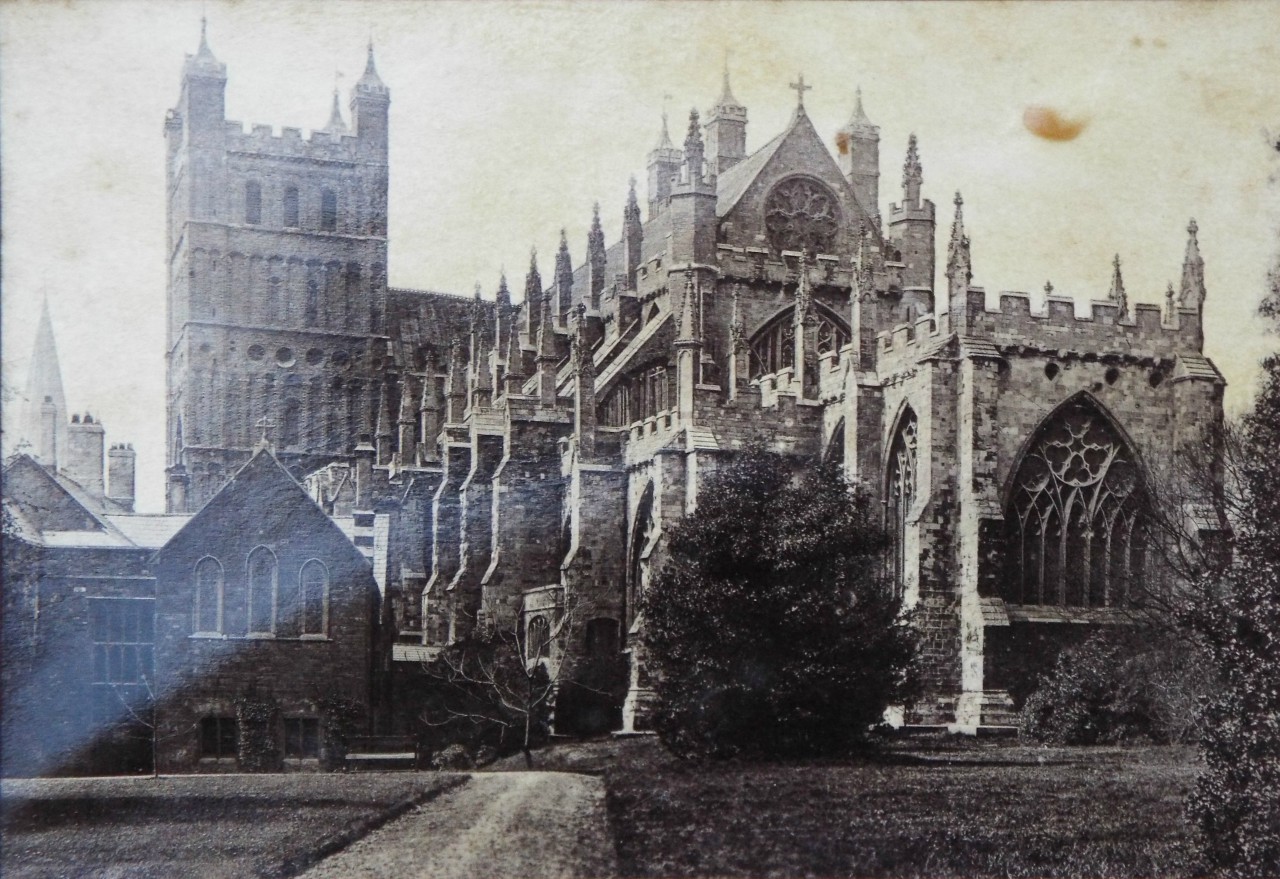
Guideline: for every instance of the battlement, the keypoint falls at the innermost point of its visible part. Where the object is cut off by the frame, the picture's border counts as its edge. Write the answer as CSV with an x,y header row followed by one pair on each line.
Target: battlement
x,y
1145,333
900,213
290,144
1056,327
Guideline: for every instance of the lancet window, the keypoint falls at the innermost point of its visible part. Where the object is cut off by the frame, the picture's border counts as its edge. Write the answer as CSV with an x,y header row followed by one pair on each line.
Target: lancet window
x,y
1076,520
900,491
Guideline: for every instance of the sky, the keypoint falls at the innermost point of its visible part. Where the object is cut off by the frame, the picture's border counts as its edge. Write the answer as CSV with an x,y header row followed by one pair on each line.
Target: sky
x,y
508,120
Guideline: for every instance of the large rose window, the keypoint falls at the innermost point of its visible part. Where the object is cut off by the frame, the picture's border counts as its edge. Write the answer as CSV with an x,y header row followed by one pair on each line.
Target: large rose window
x,y
801,214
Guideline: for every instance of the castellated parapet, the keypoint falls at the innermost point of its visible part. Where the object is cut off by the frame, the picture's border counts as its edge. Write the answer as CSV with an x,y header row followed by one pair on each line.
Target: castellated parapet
x,y
1056,331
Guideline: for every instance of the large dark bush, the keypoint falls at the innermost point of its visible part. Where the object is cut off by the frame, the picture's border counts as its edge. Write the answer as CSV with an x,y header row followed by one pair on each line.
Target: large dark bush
x,y
772,629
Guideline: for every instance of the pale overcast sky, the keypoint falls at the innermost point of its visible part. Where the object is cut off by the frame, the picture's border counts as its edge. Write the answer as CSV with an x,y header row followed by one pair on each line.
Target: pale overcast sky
x,y
509,120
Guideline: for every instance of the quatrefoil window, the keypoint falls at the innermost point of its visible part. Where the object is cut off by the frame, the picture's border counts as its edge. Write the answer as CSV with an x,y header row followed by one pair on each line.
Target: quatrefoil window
x,y
802,214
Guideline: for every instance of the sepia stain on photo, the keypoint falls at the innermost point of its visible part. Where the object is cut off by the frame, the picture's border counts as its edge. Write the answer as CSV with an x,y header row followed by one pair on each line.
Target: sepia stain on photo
x,y
640,439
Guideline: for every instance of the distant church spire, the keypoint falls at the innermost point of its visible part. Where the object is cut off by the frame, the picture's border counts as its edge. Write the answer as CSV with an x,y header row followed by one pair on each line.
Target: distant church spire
x,y
1117,293
336,124
664,139
370,81
45,398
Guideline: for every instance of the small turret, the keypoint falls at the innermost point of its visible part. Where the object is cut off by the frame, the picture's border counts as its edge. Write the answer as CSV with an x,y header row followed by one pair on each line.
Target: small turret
x,y
694,151
726,130
1191,293
532,298
407,422
563,281
959,269
385,432
858,145
693,206
1117,293
429,415
370,101
912,228
632,236
455,384
687,345
664,164
547,357
502,328
596,258
584,387
202,104
513,378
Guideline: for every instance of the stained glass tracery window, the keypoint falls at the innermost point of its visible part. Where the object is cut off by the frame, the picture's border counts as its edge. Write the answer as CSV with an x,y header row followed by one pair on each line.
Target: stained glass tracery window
x,y
1075,524
774,346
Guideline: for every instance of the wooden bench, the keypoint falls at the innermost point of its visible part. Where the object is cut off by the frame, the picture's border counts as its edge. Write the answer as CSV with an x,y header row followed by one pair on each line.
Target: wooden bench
x,y
383,752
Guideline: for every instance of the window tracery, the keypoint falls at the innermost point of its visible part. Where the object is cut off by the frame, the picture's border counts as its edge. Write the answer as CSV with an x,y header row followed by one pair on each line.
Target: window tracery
x,y
1075,522
801,214
774,347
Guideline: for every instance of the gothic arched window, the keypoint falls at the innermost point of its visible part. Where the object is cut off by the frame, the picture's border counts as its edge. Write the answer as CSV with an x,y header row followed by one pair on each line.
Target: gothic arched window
x,y
263,575
538,639
773,347
328,210
209,582
253,203
314,579
1075,529
900,490
291,207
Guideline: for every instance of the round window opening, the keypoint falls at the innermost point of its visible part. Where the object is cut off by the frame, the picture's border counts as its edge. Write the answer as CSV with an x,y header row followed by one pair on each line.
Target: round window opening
x,y
315,357
256,352
339,359
1112,376
1051,371
284,357
1156,378
802,214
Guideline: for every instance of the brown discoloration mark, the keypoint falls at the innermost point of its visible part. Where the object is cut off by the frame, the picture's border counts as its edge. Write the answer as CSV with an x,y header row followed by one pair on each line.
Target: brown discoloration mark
x,y
1046,122
842,143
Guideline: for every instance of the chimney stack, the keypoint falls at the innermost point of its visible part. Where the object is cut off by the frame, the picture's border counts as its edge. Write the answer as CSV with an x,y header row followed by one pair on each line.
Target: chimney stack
x,y
121,467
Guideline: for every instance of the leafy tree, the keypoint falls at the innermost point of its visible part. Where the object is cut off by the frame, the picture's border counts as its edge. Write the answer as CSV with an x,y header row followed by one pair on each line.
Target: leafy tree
x,y
1236,803
772,629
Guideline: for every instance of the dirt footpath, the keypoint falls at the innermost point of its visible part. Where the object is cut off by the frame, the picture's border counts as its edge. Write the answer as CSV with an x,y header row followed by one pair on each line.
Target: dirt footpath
x,y
523,825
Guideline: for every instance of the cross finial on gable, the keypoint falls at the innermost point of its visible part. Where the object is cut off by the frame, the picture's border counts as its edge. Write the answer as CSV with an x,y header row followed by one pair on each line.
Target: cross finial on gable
x,y
266,424
800,88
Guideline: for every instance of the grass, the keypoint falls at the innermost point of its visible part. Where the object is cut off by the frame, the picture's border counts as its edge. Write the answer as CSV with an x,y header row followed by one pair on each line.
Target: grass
x,y
206,826
926,807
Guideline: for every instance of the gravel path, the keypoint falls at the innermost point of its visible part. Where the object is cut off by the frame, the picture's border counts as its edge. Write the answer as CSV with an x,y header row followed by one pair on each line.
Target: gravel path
x,y
529,825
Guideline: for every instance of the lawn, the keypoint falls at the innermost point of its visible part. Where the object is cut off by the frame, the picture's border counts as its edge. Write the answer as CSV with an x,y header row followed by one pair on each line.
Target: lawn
x,y
206,826
937,806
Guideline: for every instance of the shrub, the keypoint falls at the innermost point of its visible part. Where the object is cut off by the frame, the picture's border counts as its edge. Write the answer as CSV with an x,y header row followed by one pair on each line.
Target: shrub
x,y
772,630
1118,686
259,719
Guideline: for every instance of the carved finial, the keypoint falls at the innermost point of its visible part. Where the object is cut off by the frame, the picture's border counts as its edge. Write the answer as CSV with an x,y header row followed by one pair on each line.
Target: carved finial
x,y
1192,228
1191,294
1117,293
1048,288
912,173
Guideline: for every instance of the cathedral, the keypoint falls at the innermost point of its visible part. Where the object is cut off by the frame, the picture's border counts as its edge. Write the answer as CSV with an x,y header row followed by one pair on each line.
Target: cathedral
x,y
517,463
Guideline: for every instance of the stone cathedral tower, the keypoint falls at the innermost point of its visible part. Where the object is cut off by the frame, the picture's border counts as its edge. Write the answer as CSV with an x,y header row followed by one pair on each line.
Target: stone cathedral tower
x,y
277,282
